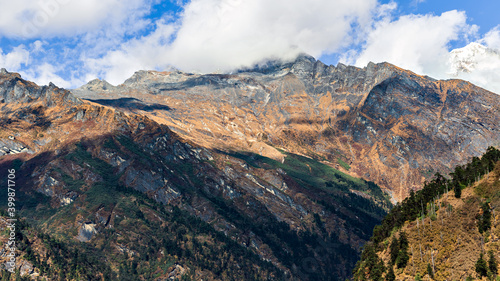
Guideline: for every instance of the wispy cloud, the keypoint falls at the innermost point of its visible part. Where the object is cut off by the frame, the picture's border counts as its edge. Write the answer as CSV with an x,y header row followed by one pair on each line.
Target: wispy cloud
x,y
15,59
416,2
416,42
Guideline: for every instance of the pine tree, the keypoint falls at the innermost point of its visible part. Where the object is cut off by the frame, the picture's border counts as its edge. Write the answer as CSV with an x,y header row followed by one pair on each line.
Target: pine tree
x,y
484,223
375,266
394,250
458,190
403,241
492,263
390,276
429,270
377,271
403,257
481,267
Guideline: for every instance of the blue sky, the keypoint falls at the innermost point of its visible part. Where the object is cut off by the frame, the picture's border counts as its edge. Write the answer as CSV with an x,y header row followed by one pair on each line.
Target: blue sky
x,y
70,42
483,13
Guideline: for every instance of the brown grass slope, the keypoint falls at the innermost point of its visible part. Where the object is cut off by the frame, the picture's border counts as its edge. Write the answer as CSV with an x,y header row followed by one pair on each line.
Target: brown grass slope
x,y
451,240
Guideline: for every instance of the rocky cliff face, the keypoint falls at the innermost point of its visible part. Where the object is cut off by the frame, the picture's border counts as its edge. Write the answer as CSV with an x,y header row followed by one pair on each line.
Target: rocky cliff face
x,y
382,123
140,196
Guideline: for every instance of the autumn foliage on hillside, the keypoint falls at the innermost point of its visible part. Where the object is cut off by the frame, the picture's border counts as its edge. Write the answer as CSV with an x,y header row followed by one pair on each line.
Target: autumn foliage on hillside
x,y
438,235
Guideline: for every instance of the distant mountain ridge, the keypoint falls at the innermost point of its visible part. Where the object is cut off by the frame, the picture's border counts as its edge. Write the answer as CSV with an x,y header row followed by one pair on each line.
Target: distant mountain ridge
x,y
389,125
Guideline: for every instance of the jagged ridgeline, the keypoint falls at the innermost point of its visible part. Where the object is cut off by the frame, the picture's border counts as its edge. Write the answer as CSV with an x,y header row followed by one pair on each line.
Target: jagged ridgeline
x,y
446,231
107,195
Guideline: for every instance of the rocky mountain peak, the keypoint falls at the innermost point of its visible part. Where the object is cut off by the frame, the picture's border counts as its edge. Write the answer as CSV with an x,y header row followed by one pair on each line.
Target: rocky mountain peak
x,y
145,77
6,74
14,89
138,77
278,66
303,65
98,85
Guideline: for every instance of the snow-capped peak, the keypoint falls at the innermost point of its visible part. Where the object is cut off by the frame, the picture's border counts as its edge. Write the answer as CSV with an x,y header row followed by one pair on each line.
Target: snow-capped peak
x,y
467,59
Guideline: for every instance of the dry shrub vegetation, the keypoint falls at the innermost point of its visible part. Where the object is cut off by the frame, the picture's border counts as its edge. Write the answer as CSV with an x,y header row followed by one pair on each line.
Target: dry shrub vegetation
x,y
450,241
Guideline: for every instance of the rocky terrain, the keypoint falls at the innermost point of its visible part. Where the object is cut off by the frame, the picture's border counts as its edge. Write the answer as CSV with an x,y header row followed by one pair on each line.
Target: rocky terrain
x,y
381,123
104,193
268,173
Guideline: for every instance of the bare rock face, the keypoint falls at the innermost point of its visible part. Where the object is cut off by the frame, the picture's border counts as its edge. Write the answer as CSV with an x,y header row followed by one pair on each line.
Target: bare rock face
x,y
390,125
16,90
87,230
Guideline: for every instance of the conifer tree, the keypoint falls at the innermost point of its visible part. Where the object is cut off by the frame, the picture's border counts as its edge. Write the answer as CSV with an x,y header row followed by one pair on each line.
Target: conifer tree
x,y
394,250
429,270
492,263
403,256
481,267
458,190
390,276
484,223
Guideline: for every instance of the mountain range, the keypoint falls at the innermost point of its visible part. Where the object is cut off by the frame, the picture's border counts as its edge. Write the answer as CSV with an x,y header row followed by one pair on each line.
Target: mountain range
x,y
376,122
279,171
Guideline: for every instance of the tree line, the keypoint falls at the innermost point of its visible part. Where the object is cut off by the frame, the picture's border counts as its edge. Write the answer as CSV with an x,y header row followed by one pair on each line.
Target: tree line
x,y
414,206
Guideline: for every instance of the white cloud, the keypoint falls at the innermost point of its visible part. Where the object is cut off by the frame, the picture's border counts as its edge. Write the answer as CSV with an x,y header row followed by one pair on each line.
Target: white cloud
x,y
492,38
43,74
13,60
421,43
137,54
416,42
69,32
223,35
20,59
37,46
36,18
226,34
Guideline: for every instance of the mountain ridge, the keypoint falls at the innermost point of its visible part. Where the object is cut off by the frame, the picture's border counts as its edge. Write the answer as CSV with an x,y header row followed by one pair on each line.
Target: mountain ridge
x,y
262,163
312,109
109,184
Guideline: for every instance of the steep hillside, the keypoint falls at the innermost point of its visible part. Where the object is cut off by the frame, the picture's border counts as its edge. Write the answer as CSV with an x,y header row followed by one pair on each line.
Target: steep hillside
x,y
441,234
121,197
377,122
